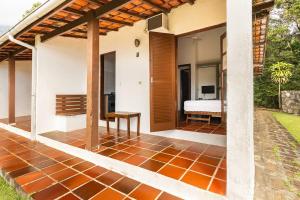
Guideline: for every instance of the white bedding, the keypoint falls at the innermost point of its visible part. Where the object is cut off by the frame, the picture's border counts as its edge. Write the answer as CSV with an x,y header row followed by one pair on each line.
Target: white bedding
x,y
203,105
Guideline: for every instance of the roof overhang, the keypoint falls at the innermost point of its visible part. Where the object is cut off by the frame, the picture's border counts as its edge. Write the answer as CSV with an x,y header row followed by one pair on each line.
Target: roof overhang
x,y
68,18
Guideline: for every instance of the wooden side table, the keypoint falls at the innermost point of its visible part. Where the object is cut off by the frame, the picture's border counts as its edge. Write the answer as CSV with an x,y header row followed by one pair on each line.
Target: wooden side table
x,y
124,115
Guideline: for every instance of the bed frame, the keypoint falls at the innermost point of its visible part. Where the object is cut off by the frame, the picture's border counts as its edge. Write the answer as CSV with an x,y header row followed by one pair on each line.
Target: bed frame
x,y
189,116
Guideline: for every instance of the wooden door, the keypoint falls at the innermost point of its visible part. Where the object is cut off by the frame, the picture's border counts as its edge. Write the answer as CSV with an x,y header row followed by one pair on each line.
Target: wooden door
x,y
163,100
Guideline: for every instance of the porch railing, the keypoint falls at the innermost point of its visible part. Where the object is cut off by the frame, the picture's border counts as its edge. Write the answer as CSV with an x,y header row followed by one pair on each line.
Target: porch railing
x,y
70,105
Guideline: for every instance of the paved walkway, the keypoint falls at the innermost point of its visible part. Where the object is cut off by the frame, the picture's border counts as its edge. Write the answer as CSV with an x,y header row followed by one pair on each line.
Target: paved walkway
x,y
277,160
46,174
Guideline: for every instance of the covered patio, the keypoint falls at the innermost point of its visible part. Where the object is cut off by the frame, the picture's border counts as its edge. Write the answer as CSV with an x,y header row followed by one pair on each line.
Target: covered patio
x,y
199,165
180,166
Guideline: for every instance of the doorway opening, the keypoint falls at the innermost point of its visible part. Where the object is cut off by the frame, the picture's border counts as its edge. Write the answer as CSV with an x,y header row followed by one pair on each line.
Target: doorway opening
x,y
201,101
107,84
184,88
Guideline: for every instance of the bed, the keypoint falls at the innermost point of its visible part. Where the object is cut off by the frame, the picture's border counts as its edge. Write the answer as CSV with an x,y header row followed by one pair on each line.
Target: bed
x,y
205,109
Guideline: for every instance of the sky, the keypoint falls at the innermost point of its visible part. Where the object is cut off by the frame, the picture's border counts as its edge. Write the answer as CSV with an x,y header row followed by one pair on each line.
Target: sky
x,y
11,11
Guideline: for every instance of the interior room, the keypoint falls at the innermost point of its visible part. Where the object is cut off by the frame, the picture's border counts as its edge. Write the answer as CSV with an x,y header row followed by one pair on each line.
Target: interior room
x,y
201,81
108,80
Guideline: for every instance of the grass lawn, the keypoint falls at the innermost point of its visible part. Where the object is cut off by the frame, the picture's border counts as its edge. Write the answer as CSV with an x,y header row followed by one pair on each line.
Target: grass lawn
x,y
290,122
7,192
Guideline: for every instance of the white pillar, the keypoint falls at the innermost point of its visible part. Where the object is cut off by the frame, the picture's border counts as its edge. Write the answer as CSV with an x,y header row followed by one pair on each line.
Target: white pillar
x,y
240,150
34,81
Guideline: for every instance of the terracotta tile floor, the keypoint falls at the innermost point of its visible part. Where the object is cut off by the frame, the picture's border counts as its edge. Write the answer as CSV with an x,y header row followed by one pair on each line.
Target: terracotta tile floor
x,y
200,165
203,127
23,123
45,174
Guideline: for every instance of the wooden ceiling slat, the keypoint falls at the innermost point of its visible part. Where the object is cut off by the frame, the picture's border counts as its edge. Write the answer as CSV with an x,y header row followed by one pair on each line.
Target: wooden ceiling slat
x,y
150,3
116,21
74,11
96,13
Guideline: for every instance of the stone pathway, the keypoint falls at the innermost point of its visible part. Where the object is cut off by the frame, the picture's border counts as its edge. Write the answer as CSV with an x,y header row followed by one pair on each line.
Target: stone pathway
x,y
277,160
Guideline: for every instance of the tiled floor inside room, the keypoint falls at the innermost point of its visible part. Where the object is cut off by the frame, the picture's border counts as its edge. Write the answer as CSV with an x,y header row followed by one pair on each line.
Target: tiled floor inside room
x,y
203,127
46,173
200,165
23,123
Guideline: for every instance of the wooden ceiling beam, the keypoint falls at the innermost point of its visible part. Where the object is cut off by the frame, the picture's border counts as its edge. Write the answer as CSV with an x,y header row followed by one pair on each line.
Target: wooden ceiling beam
x,y
116,21
132,14
59,20
262,6
95,2
150,3
48,26
38,32
106,8
74,11
109,29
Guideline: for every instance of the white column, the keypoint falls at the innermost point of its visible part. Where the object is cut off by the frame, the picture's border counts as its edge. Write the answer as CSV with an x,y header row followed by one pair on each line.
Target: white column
x,y
34,83
240,152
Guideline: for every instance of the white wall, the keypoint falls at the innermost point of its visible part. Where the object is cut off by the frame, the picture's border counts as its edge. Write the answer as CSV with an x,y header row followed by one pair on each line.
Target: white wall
x,y
132,73
203,13
61,70
62,63
23,89
206,76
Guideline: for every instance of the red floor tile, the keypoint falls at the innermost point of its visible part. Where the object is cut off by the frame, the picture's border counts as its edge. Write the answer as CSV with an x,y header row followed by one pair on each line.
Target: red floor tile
x,y
69,196
50,193
109,178
89,190
172,171
171,150
221,174
196,179
83,166
135,160
95,172
38,185
167,196
109,194
209,160
126,185
152,165
75,181
181,162
29,177
203,169
162,157
64,174
218,186
145,192
121,155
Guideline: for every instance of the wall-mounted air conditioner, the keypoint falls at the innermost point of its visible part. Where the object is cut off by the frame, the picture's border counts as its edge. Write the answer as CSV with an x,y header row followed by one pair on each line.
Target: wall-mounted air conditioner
x,y
158,23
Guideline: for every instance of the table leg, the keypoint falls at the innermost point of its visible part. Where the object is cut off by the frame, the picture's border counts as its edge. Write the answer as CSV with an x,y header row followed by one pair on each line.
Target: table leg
x,y
118,124
138,125
107,124
128,126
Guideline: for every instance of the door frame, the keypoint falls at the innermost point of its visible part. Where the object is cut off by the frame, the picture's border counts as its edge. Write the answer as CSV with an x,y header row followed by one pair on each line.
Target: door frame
x,y
179,68
101,95
176,64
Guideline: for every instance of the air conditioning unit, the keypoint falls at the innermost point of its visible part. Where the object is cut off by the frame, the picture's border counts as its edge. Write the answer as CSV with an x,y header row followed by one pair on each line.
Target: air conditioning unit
x,y
158,23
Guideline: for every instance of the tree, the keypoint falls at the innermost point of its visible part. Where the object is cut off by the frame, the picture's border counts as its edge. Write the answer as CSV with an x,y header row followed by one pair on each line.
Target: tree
x,y
35,6
281,72
283,45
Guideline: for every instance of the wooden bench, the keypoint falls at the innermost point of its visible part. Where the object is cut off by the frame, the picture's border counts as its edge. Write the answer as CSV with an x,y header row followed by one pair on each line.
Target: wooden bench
x,y
123,115
70,105
189,116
